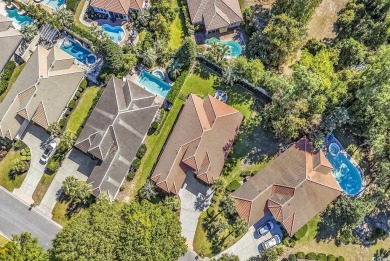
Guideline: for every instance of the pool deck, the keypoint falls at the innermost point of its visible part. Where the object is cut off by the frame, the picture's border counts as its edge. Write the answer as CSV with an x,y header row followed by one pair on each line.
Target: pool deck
x,y
231,35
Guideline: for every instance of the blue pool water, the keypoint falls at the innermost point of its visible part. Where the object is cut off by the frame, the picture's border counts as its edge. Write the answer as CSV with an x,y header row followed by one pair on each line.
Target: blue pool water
x,y
116,33
53,4
346,174
158,74
17,19
154,84
235,48
77,51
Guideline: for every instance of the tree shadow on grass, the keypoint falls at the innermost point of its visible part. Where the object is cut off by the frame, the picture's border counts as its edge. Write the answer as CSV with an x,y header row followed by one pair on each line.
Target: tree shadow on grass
x,y
203,72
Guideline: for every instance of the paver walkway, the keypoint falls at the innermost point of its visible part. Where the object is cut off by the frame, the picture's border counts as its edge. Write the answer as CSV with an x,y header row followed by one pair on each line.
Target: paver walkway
x,y
195,197
75,164
36,139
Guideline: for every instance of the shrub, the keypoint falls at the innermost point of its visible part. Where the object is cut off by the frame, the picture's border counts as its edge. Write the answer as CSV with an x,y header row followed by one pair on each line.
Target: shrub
x,y
62,123
83,84
175,90
71,104
210,211
289,242
6,75
72,5
311,256
331,258
215,198
322,257
53,165
153,127
28,158
234,185
300,255
131,175
340,258
141,151
292,257
135,164
279,250
246,174
24,158
301,232
78,94
18,144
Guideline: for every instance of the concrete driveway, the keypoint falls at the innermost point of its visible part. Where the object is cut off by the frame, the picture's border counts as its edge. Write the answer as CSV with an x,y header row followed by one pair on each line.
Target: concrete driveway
x,y
76,164
16,218
249,245
36,139
195,197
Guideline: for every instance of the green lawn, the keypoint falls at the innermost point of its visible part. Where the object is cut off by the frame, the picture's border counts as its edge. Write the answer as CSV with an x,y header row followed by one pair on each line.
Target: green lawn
x,y
13,78
5,167
42,187
80,113
3,241
60,213
177,28
201,245
78,13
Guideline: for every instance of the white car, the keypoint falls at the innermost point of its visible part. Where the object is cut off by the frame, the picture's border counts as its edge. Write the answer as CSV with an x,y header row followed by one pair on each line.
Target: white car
x,y
270,243
265,229
48,151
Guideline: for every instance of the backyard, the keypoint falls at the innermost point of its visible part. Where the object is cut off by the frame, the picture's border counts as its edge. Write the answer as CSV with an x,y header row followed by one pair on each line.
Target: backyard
x,y
5,168
13,78
176,29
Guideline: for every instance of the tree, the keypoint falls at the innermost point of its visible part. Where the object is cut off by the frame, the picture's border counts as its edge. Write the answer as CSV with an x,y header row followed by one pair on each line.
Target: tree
x,y
174,69
76,190
117,231
172,202
149,57
349,212
381,254
228,257
281,38
67,141
23,247
143,18
250,70
239,227
217,52
269,255
187,52
148,191
229,205
219,186
54,129
18,167
300,10
29,31
228,75
112,54
64,17
351,53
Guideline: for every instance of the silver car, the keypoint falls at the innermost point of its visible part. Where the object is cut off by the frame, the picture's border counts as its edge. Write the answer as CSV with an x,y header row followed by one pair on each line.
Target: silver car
x,y
48,151
270,243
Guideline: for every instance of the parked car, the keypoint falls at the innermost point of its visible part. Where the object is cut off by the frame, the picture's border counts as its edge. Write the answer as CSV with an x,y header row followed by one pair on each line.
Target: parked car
x,y
48,151
265,229
270,243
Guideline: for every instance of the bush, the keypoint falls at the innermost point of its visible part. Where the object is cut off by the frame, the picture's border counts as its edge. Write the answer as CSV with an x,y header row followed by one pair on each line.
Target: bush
x,y
322,257
246,174
135,164
18,144
78,94
292,257
6,75
141,151
279,250
311,256
131,175
234,185
331,258
340,258
289,242
153,127
72,5
62,123
71,104
175,90
300,255
53,165
215,198
24,158
301,232
28,158
83,84
210,211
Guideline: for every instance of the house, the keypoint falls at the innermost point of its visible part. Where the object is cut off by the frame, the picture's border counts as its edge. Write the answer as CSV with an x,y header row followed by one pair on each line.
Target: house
x,y
294,187
215,15
118,8
199,142
10,39
41,93
114,132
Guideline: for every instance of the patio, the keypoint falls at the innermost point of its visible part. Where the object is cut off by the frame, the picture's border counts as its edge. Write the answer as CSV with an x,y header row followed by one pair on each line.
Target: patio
x,y
234,34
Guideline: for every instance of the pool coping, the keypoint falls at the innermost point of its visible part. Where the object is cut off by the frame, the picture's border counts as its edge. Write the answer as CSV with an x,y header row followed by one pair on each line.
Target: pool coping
x,y
227,56
332,139
121,26
145,87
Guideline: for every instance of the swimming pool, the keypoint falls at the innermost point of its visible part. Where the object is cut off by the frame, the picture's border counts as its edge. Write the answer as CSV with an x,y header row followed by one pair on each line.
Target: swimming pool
x,y
77,51
159,74
116,33
53,4
154,84
17,19
235,48
345,172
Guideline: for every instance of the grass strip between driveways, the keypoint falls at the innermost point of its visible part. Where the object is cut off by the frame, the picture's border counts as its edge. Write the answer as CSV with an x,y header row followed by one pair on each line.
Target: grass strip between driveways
x,y
5,168
3,240
42,187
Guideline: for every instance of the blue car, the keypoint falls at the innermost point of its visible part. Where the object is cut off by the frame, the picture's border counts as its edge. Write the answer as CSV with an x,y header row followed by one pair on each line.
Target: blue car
x,y
266,228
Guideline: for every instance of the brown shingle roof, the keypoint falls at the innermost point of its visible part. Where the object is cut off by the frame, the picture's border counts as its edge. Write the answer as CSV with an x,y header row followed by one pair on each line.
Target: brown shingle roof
x,y
115,131
215,13
200,141
290,188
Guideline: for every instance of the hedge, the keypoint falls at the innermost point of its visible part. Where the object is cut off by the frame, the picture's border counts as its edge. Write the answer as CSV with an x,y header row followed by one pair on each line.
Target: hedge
x,y
322,257
141,151
6,75
234,185
131,175
300,255
311,256
292,257
301,232
135,164
72,5
175,90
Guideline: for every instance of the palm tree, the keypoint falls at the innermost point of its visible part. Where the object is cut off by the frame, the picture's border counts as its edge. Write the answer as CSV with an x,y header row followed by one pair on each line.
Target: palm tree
x,y
172,202
381,255
143,17
229,205
223,50
239,227
76,190
148,191
229,75
219,186
67,140
174,69
64,17
149,57
54,129
29,32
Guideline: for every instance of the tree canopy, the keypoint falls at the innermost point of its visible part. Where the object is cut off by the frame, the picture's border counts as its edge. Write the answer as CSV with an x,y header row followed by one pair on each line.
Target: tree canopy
x,y
23,248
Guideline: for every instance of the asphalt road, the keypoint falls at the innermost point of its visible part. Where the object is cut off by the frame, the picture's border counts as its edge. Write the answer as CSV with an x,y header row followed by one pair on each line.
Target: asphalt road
x,y
15,218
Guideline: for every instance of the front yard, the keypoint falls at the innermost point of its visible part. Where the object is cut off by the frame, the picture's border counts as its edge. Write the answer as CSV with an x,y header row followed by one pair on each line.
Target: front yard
x,y
5,168
176,30
3,241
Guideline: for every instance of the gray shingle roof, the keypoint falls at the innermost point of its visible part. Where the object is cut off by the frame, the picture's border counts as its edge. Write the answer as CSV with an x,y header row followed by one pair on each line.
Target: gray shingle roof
x,y
9,40
115,131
